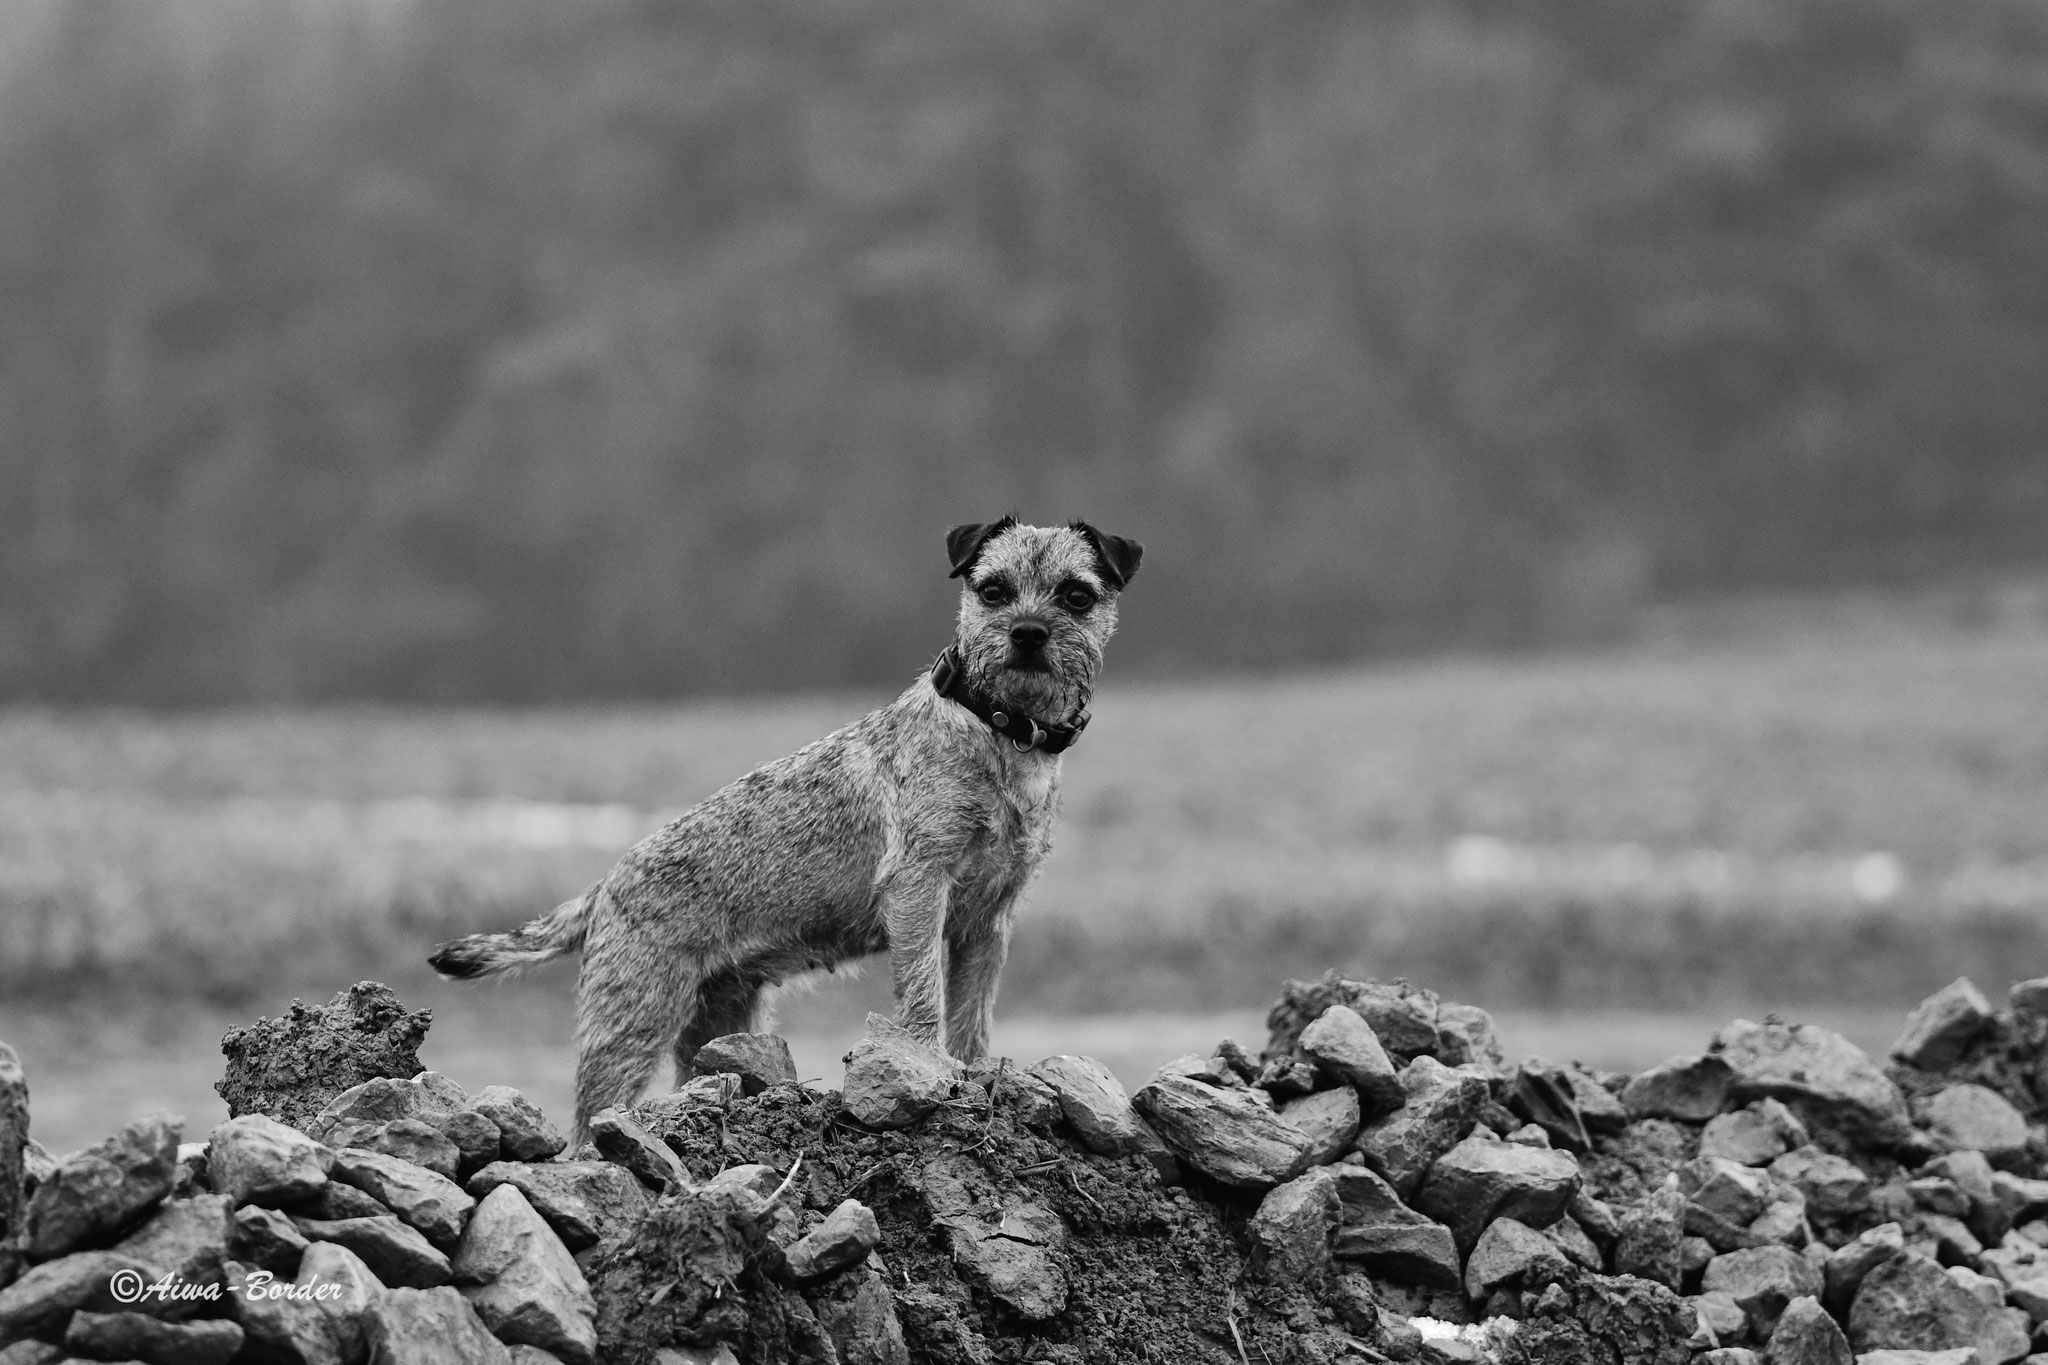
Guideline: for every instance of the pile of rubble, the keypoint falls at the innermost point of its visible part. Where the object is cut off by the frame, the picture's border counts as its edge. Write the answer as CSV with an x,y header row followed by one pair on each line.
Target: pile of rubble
x,y
1377,1184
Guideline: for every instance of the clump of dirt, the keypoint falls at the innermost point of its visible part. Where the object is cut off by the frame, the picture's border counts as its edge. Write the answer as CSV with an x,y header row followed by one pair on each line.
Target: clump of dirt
x,y
1150,1272
291,1066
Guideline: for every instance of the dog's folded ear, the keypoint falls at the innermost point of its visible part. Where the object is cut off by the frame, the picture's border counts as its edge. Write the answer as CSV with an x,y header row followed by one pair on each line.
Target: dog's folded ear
x,y
964,542
1116,559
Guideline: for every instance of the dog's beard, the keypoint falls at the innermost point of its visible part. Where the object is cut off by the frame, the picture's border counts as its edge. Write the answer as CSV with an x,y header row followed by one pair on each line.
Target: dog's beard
x,y
1049,685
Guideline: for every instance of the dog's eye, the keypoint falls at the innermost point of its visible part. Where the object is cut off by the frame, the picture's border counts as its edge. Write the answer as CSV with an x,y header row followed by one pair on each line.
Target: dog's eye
x,y
994,594
1078,598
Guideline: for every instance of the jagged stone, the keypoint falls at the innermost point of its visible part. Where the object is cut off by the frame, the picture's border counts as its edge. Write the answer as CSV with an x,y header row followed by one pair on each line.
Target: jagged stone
x,y
33,1353
758,1059
1822,1076
1478,1181
2029,997
1512,1254
1290,1234
368,1105
1970,1173
1545,1097
185,1238
1442,1104
137,1336
1832,1186
583,1201
1595,1215
1228,1135
1094,1101
1607,1318
1466,1036
1343,1046
410,1140
255,1159
859,1314
524,1132
1385,1236
396,1254
893,1079
267,1239
1806,1335
1286,1078
1910,1303
523,1282
1971,1117
1328,1118
1689,1088
1648,1242
1572,1240
476,1140
843,1239
37,1304
338,1200
2019,1196
291,1066
1726,1189
1722,1318
1402,1017
1754,1136
13,1165
1962,1355
1763,1280
1942,1025
96,1192
1012,1261
621,1139
430,1327
422,1199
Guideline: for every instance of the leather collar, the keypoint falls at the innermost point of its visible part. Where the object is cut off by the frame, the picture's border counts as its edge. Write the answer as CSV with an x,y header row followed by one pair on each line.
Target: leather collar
x,y
949,680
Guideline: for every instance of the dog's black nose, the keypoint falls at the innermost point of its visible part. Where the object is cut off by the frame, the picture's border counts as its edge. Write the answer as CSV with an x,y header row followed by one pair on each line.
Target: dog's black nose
x,y
1029,635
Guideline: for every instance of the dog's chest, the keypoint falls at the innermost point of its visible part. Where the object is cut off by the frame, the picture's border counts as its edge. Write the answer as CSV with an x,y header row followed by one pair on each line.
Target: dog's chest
x,y
1017,829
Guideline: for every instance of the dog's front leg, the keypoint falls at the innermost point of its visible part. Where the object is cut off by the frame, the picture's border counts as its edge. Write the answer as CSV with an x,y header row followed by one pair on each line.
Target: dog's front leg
x,y
915,912
974,967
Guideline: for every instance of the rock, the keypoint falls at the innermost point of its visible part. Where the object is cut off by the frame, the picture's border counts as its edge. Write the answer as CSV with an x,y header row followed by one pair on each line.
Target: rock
x,y
2018,1196
290,1067
1962,1355
1650,1233
1806,1335
1973,1118
395,1253
1512,1254
1093,1101
409,1140
1442,1104
1545,1097
1387,1237
1478,1181
893,1079
1763,1280
343,1288
583,1201
1600,1109
1832,1187
96,1192
1572,1240
1971,1174
13,1148
1988,1290
2029,997
1595,1216
1783,1222
1343,1047
422,1199
1402,1017
1528,1135
365,1108
1328,1118
1290,1234
1720,1315
532,1355
255,1159
1726,1189
1910,1303
1603,1318
266,1238
522,1281
1942,1025
33,1353
340,1200
184,1238
1746,1136
1728,1355
1286,1078
623,1141
1036,1104
476,1140
1689,1088
858,1313
37,1304
1228,1135
843,1239
1011,1261
758,1059
1465,1036
524,1133
137,1336
1820,1075
429,1327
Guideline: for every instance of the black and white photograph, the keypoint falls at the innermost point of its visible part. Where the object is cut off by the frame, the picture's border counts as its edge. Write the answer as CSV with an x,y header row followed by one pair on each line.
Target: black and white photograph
x,y
981,682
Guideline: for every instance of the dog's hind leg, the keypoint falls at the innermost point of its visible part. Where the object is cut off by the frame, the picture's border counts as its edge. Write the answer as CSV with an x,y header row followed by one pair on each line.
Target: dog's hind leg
x,y
729,1001
630,1005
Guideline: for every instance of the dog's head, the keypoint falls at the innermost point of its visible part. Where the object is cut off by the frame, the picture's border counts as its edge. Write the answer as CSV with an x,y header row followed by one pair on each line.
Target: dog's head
x,y
1037,607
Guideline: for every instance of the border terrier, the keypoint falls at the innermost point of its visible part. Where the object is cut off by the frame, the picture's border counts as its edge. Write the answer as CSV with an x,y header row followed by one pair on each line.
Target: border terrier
x,y
912,831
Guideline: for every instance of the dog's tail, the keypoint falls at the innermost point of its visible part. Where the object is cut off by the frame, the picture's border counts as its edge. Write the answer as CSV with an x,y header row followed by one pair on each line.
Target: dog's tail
x,y
553,934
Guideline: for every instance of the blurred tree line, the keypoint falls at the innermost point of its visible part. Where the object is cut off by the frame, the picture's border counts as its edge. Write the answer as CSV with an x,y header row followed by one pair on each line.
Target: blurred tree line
x,y
512,349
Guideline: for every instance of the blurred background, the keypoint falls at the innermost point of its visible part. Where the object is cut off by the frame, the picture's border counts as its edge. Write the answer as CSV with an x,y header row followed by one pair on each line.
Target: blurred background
x,y
1592,459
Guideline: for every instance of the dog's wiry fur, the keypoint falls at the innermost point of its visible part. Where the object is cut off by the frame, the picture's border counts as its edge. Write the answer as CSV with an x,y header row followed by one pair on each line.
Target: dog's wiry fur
x,y
914,830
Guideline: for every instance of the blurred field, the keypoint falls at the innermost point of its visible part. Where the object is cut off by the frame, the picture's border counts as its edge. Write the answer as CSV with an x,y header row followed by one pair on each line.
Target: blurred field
x,y
1829,822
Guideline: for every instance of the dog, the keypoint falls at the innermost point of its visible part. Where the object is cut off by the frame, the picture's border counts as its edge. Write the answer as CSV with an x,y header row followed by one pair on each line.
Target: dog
x,y
913,831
